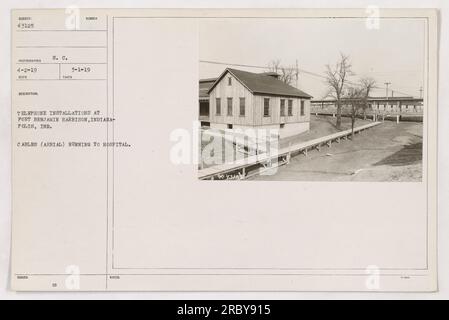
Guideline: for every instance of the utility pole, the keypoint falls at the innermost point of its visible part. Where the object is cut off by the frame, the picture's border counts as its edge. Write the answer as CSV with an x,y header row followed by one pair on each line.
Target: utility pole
x,y
297,72
386,94
420,92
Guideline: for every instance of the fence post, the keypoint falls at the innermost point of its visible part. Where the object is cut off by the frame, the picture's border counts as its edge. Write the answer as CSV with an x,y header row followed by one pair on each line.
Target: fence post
x,y
234,143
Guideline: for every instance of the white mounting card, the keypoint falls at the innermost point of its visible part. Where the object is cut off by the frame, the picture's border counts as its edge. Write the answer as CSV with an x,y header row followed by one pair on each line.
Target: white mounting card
x,y
224,150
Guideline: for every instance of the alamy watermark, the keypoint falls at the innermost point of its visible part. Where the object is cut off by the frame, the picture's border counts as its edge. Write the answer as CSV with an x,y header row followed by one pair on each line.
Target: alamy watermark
x,y
372,281
73,280
207,147
372,21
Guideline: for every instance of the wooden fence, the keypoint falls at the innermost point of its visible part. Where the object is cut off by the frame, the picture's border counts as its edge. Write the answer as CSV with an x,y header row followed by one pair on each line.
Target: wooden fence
x,y
237,170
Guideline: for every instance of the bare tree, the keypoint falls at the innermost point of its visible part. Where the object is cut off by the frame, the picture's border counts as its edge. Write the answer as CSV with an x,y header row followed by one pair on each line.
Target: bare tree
x,y
355,97
367,85
337,78
286,74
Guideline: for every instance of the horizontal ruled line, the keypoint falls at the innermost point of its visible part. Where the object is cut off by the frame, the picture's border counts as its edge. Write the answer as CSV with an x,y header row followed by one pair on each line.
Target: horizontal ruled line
x,y
67,63
61,79
71,47
220,274
31,30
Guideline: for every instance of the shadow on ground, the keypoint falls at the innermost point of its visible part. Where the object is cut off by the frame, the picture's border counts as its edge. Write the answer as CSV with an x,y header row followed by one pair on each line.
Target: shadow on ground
x,y
408,155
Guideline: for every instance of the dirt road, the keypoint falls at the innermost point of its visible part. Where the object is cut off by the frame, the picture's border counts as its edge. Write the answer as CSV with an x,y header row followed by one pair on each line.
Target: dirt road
x,y
388,152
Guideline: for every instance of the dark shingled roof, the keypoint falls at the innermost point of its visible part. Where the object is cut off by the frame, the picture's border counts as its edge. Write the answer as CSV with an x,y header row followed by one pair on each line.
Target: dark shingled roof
x,y
205,85
263,83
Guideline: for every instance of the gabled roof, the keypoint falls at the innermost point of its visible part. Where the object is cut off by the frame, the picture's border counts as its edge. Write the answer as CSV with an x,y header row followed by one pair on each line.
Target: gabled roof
x,y
263,83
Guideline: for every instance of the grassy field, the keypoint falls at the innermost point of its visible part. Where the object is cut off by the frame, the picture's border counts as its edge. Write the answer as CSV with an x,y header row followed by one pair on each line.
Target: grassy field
x,y
387,152
319,126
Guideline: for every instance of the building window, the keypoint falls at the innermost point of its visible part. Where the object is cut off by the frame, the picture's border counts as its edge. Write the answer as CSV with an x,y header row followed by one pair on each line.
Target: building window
x,y
290,108
229,81
229,106
266,107
218,106
242,107
282,107
303,112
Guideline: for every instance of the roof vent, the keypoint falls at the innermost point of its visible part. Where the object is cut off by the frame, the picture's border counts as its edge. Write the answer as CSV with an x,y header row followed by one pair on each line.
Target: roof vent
x,y
272,74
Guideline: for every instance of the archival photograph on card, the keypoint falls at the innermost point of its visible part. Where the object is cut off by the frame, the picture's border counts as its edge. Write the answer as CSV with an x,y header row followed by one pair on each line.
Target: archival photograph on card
x,y
312,99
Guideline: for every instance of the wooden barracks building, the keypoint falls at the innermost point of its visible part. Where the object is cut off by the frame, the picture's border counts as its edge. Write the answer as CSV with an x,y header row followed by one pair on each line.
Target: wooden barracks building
x,y
239,100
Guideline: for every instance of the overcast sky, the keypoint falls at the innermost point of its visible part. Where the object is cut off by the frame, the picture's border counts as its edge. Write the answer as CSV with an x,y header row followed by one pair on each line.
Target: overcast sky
x,y
393,53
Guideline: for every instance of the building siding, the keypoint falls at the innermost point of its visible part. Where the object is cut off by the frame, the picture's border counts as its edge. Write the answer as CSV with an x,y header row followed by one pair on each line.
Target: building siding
x,y
235,91
254,106
275,110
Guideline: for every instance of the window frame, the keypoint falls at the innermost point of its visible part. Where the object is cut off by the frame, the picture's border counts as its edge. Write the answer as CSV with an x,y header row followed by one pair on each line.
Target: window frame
x,y
229,81
229,107
240,107
282,107
218,106
290,108
302,110
266,115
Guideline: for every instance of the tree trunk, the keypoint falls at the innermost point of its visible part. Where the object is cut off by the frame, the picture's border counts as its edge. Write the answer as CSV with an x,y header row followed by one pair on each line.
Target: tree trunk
x,y
352,126
338,124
